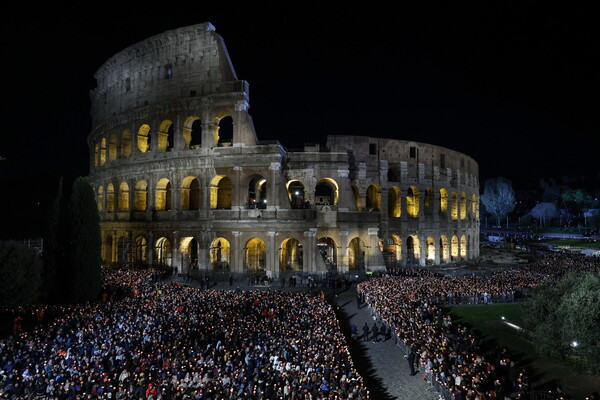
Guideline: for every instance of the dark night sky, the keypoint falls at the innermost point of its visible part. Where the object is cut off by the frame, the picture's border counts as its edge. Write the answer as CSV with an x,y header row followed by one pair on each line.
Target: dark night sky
x,y
514,86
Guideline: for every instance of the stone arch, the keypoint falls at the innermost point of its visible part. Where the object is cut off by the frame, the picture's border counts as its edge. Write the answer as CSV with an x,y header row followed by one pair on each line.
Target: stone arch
x,y
220,253
291,257
123,197
189,249
444,249
143,138
125,145
454,248
110,197
443,201
100,198
162,195
463,247
192,132
326,192
103,151
224,130
356,255
141,249
163,254
357,199
113,145
463,206
255,255
296,194
141,196
454,207
166,136
413,250
430,250
328,250
374,197
392,251
190,193
394,202
220,193
428,201
257,191
412,202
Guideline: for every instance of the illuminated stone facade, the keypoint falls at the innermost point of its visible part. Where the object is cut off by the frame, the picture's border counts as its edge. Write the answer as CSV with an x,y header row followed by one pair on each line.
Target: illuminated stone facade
x,y
181,178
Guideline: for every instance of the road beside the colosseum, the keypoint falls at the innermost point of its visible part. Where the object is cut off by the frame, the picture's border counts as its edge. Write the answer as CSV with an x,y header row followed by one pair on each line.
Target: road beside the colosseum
x,y
382,365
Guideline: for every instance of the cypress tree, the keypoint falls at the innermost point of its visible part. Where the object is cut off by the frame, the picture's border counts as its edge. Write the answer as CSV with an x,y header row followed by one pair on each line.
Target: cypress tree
x,y
85,241
21,270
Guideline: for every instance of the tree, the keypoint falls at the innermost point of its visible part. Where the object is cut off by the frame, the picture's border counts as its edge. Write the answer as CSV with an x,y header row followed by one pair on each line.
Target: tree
x,y
563,319
85,242
21,270
498,197
544,212
575,200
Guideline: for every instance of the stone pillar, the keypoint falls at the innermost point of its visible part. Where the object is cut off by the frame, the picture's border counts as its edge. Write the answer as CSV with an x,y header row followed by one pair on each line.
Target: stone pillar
x,y
404,252
150,248
272,252
273,186
310,250
438,251
241,109
422,250
238,197
204,252
346,200
342,255
176,256
237,260
375,258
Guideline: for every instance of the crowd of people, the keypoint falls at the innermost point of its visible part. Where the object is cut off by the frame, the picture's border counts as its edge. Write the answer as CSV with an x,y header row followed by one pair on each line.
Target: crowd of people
x,y
149,340
449,352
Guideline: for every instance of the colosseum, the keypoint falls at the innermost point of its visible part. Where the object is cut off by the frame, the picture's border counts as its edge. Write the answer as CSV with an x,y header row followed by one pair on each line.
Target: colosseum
x,y
182,180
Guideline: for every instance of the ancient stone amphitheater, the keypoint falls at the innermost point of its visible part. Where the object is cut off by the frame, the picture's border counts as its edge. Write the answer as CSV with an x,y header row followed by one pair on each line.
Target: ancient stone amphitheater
x,y
181,178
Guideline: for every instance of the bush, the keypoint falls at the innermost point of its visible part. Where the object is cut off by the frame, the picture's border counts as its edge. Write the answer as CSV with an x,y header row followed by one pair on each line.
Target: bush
x,y
21,270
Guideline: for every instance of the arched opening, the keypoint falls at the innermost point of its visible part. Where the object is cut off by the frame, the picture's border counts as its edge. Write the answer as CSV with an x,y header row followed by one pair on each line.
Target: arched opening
x,y
257,192
296,194
162,196
189,247
141,196
162,252
430,250
326,192
394,208
443,201
112,147
463,247
393,174
225,131
356,255
220,193
166,136
143,138
110,197
454,248
291,255
392,251
126,144
412,202
103,151
444,249
190,193
192,133
463,206
428,201
328,250
100,198
220,251
357,199
454,207
413,251
255,255
124,251
123,196
141,249
96,155
374,198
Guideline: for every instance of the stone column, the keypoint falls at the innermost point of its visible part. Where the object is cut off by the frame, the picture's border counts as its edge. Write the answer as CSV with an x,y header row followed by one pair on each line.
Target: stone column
x,y
273,186
346,200
342,255
272,252
238,252
150,248
422,250
438,251
404,252
310,250
204,252
238,201
176,256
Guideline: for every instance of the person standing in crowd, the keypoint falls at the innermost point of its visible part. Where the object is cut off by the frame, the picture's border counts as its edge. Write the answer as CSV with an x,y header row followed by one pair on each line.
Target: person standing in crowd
x,y
366,331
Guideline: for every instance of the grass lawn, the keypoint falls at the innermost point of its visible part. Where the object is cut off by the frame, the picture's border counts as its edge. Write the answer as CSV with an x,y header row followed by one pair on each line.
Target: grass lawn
x,y
487,322
579,243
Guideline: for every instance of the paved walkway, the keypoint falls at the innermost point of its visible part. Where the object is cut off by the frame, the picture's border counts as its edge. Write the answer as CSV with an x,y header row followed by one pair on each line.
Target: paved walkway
x,y
382,365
